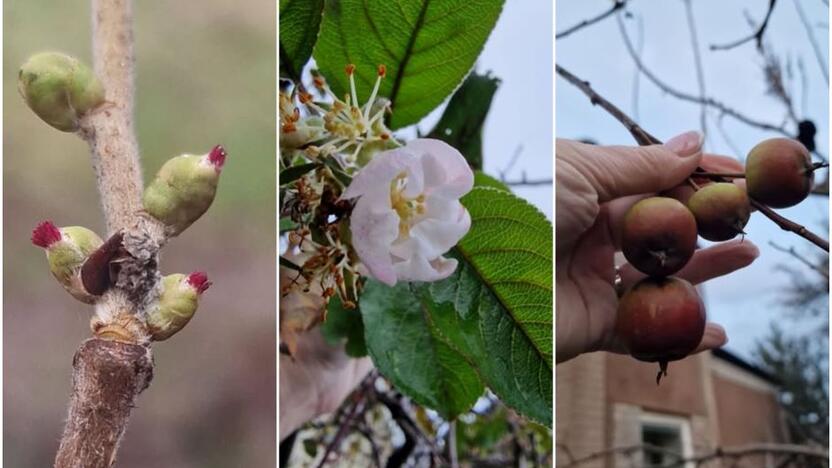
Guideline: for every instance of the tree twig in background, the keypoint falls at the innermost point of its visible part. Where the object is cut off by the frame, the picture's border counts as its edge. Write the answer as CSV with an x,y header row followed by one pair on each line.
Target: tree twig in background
x,y
787,450
757,35
697,61
815,47
511,162
617,5
709,101
524,181
358,398
791,251
636,73
643,138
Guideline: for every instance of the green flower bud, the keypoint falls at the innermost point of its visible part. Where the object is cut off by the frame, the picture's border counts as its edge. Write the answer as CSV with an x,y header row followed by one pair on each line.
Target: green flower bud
x,y
177,304
184,189
66,251
59,89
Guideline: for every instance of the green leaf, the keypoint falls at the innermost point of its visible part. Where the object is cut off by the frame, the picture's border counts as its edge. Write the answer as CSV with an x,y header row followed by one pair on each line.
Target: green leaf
x,y
428,47
497,309
286,225
344,324
481,179
293,173
461,124
405,348
310,446
300,21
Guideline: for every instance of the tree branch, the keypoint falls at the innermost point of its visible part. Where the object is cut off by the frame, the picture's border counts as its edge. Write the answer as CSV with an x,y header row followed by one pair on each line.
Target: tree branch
x,y
109,130
617,5
643,138
718,453
815,47
697,60
756,35
709,101
110,370
107,376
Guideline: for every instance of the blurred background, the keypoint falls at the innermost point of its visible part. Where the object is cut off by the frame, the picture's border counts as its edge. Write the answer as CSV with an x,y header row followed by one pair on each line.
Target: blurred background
x,y
205,75
775,311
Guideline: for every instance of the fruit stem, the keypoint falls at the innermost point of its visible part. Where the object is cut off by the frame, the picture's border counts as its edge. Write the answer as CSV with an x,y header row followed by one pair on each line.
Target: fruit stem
x,y
717,175
662,371
693,184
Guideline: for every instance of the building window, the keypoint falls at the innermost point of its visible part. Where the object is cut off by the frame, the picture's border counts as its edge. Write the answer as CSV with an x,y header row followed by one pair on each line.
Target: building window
x,y
666,439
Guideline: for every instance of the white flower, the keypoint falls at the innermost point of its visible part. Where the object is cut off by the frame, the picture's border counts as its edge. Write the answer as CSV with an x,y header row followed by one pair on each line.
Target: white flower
x,y
408,212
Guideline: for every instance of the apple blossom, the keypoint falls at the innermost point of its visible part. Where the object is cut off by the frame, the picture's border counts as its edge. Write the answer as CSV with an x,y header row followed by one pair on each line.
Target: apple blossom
x,y
408,212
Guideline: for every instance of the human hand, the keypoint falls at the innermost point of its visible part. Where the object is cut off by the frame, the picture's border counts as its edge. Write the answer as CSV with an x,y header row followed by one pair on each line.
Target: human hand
x,y
316,379
596,185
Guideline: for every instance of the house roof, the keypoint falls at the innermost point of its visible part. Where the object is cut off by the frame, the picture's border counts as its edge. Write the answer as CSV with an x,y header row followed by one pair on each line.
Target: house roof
x,y
735,360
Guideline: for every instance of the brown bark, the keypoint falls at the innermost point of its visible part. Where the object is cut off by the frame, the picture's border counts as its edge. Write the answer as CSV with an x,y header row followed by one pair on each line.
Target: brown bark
x,y
107,377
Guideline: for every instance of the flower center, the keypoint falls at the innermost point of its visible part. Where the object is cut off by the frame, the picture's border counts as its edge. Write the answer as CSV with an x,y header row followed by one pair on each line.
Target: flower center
x,y
406,208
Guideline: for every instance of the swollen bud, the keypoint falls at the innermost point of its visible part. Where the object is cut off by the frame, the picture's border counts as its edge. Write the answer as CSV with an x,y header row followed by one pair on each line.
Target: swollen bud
x,y
184,189
177,304
59,89
67,249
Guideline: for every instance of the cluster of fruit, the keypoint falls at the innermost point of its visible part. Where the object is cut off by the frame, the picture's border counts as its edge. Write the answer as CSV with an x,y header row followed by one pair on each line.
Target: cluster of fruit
x,y
662,318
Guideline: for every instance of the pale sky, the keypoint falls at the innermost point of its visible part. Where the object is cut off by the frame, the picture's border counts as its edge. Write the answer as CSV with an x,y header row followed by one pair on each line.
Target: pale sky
x,y
745,302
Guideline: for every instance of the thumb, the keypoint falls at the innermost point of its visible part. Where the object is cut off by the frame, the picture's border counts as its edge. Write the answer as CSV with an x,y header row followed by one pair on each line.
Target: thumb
x,y
619,171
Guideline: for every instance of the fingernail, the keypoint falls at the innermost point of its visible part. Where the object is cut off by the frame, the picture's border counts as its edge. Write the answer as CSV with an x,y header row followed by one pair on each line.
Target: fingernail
x,y
686,144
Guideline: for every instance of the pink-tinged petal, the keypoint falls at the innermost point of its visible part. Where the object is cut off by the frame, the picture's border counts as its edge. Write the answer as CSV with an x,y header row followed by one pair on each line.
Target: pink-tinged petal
x,y
403,249
435,237
377,175
374,228
418,268
446,170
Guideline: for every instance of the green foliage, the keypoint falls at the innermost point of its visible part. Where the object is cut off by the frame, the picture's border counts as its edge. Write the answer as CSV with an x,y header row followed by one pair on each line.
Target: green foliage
x,y
344,324
427,47
494,313
286,225
510,247
461,124
294,173
411,353
300,21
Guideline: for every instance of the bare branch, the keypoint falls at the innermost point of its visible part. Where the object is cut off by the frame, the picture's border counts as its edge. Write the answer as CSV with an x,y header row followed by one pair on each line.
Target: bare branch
x,y
109,130
697,60
112,369
718,453
709,101
791,251
815,47
617,5
757,35
643,138
107,376
526,182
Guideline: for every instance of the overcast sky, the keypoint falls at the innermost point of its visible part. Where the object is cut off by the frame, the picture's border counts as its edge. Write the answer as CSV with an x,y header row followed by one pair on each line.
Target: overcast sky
x,y
745,302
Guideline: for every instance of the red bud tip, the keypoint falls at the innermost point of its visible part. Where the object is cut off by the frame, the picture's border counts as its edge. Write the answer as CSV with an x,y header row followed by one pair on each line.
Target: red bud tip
x,y
217,156
45,234
199,281
350,69
382,70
